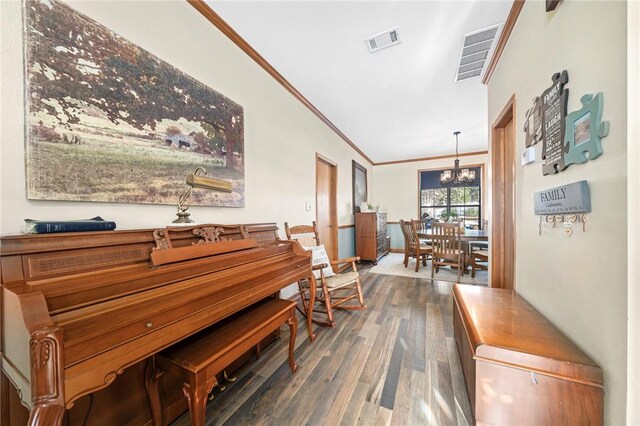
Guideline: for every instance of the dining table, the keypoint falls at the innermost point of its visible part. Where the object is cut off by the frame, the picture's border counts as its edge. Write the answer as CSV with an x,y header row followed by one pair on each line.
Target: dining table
x,y
466,237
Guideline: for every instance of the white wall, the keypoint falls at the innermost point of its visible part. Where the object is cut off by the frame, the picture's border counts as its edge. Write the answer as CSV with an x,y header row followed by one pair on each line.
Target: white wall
x,y
396,188
396,185
633,148
281,135
579,283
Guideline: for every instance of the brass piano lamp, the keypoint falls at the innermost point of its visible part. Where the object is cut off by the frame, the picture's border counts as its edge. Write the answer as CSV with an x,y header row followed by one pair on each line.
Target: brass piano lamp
x,y
197,179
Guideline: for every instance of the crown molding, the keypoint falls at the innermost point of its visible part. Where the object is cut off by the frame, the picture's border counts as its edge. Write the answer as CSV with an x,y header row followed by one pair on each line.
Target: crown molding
x,y
206,11
439,157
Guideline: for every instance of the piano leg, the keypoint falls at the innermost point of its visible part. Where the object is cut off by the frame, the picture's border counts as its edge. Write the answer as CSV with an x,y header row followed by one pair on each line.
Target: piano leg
x,y
4,398
46,415
293,330
197,392
312,301
47,377
152,376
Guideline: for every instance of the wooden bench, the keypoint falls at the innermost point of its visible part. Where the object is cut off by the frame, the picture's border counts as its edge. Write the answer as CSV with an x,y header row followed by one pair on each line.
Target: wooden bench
x,y
197,360
518,367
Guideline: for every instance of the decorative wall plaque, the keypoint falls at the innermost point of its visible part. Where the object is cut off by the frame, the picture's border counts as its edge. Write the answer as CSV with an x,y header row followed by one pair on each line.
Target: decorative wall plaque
x,y
584,130
567,221
570,198
551,5
554,111
533,123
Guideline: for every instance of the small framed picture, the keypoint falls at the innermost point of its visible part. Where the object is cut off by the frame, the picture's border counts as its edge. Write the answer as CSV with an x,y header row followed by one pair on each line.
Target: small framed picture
x,y
582,129
359,185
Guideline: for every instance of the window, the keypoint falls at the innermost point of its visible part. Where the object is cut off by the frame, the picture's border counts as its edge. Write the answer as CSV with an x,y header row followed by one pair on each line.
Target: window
x,y
464,200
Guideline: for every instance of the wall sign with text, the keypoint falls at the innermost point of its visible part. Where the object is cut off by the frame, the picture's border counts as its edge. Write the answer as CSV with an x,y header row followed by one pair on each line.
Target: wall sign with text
x,y
570,198
554,112
564,205
533,123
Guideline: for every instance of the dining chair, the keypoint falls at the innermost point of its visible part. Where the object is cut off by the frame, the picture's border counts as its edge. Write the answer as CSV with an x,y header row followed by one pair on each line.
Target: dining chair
x,y
478,258
333,289
479,245
406,234
424,251
413,247
420,226
447,247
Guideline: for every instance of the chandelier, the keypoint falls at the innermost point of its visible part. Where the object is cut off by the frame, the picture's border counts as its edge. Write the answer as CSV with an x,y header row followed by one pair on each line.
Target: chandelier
x,y
457,176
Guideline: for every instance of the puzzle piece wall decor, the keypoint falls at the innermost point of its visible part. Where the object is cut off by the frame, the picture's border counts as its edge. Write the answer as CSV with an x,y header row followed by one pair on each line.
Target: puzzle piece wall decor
x,y
533,123
554,111
584,130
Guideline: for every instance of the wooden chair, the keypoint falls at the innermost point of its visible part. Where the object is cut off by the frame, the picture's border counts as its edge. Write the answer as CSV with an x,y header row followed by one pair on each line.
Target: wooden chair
x,y
480,247
405,235
447,247
425,249
413,247
420,225
477,245
477,255
332,291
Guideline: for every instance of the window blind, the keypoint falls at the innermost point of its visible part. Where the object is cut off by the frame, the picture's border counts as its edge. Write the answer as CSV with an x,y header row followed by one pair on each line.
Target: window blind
x,y
431,179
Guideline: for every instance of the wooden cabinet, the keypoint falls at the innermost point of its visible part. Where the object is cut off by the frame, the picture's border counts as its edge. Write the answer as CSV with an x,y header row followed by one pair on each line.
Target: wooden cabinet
x,y
371,236
518,367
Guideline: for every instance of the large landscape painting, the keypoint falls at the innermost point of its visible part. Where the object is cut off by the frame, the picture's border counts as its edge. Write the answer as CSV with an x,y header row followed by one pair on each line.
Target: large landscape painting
x,y
108,121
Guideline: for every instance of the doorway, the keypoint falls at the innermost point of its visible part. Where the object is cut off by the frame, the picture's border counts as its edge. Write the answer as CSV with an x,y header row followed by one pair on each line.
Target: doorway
x,y
326,204
502,151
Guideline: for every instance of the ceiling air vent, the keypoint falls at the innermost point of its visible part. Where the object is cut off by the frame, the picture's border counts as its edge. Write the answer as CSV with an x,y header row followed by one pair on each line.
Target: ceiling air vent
x,y
476,50
384,39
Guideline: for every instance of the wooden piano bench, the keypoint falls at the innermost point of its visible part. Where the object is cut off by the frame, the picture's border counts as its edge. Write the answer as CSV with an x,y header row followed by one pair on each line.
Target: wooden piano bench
x,y
198,359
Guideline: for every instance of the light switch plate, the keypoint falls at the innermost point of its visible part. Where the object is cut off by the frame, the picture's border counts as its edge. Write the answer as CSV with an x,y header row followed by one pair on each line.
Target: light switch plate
x,y
529,155
307,206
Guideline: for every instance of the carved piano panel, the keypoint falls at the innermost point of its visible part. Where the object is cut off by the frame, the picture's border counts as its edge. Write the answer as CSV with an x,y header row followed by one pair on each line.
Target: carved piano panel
x,y
92,304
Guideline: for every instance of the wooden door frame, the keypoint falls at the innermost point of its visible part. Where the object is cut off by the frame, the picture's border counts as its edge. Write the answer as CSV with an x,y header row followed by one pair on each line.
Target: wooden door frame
x,y
500,229
333,213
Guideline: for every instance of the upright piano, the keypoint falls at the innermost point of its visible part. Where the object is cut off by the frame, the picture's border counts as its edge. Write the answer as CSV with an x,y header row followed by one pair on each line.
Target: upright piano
x,y
79,308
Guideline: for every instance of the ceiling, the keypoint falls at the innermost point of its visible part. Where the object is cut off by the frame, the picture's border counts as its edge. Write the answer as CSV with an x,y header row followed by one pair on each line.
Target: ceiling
x,y
395,104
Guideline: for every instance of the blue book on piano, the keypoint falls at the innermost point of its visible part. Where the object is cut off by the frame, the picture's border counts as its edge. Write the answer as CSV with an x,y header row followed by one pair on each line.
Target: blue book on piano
x,y
47,226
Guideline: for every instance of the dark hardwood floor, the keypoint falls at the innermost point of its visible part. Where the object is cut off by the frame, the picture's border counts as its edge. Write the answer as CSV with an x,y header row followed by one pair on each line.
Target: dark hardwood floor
x,y
395,363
